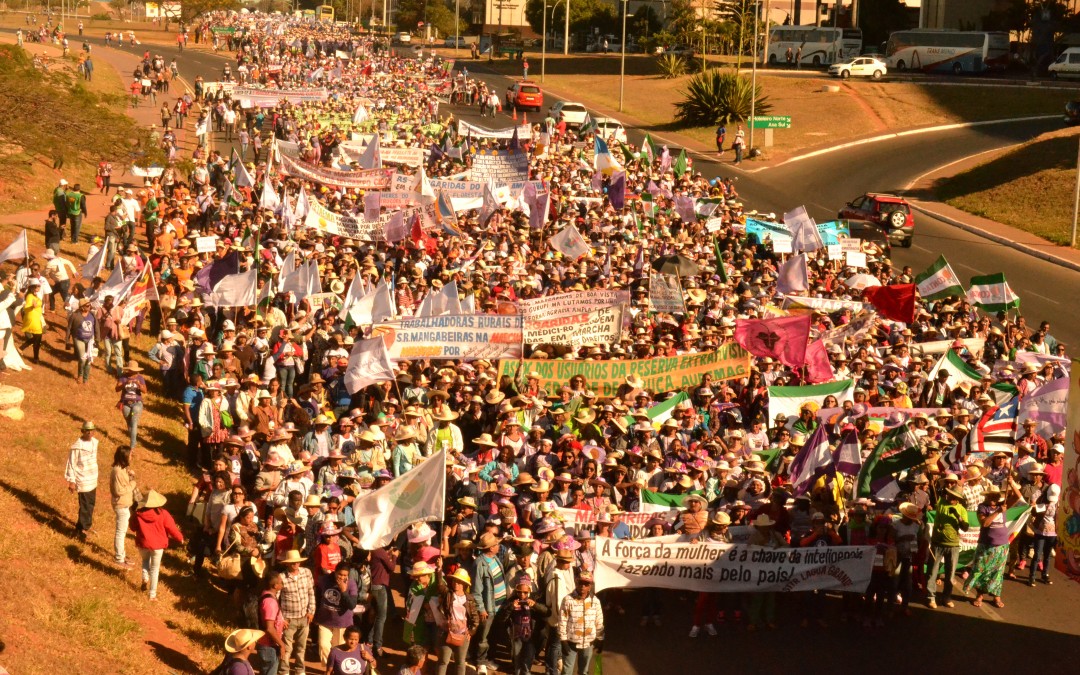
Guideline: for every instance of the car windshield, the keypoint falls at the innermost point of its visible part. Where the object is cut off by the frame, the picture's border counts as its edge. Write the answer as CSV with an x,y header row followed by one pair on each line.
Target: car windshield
x,y
530,90
574,108
894,206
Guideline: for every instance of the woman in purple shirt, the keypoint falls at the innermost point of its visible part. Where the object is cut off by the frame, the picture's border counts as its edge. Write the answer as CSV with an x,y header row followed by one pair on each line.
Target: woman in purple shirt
x,y
335,595
351,658
992,552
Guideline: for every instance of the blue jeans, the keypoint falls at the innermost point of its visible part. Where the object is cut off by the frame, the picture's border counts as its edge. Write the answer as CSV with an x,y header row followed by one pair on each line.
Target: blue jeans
x,y
951,555
379,597
76,226
575,656
554,651
1044,546
81,348
132,412
287,377
114,356
151,565
270,659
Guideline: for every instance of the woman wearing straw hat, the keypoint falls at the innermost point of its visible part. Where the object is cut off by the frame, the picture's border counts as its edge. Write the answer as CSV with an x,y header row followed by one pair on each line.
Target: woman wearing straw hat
x,y
132,388
446,435
153,527
992,551
460,619
406,453
420,617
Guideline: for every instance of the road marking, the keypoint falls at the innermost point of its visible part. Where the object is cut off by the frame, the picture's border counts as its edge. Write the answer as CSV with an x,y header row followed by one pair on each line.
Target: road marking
x,y
957,161
920,248
1040,295
984,606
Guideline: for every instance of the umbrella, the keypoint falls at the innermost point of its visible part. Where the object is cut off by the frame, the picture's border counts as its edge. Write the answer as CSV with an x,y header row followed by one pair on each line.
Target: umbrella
x,y
861,281
676,264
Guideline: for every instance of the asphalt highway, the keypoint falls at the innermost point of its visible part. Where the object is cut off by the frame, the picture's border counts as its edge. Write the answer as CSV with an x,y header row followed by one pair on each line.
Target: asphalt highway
x,y
1038,628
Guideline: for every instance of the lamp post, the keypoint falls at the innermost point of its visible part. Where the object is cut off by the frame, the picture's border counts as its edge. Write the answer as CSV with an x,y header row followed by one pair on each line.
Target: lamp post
x,y
457,25
753,78
543,42
566,31
622,62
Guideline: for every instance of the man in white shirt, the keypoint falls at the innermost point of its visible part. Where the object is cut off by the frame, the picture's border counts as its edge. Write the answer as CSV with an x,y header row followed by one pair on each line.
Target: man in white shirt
x,y
131,209
81,474
59,271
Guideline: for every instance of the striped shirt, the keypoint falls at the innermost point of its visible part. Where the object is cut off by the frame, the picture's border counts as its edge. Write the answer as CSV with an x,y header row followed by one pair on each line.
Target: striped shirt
x,y
498,580
581,621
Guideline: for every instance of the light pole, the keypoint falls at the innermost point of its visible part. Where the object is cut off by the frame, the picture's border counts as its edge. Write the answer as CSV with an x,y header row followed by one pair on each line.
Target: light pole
x,y
622,63
566,31
543,42
457,25
1076,199
753,78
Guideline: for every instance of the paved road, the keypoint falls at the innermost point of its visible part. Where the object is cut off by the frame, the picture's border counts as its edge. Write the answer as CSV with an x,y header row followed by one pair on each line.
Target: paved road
x,y
1038,628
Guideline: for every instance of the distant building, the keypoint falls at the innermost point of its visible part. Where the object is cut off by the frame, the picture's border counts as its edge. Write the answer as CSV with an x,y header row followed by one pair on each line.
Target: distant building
x,y
957,14
495,16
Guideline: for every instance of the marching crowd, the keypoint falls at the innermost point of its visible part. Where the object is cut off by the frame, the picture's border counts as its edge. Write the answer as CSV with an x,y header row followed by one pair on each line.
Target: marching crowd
x,y
282,447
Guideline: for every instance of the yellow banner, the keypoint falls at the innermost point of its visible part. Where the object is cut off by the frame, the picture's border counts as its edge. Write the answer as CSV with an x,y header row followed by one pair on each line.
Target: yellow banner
x,y
662,374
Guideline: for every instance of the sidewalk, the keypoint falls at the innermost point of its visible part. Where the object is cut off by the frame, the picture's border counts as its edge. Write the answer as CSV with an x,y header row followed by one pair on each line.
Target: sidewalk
x,y
146,114
921,195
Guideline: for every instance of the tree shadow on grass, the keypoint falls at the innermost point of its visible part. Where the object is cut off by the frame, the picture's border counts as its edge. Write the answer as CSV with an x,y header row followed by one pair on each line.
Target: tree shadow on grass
x,y
174,659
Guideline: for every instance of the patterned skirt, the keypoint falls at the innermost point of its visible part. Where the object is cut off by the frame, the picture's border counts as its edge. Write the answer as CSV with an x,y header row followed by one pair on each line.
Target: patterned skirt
x,y
988,569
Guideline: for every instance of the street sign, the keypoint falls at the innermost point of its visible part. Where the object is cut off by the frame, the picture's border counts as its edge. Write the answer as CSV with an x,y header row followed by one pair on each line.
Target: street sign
x,y
771,122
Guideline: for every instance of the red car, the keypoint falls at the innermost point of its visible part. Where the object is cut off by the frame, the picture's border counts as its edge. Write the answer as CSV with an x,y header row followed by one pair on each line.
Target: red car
x,y
890,211
524,94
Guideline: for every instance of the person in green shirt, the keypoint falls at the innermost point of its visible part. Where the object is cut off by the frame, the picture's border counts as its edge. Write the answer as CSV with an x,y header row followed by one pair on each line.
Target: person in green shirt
x,y
950,519
60,202
75,209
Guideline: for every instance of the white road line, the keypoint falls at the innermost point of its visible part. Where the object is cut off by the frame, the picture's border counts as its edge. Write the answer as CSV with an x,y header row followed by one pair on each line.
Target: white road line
x,y
1040,295
957,161
967,267
920,248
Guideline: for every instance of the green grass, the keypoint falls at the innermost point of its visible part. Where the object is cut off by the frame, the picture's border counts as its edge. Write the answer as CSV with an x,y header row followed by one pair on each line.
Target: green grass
x,y
1030,188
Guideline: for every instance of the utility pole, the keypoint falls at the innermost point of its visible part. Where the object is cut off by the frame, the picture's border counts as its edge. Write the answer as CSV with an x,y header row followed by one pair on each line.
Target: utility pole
x,y
566,32
765,52
622,64
753,78
457,25
543,44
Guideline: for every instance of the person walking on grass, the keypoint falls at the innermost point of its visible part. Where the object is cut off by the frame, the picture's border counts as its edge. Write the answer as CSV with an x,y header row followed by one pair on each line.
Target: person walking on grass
x,y
81,474
33,318
132,388
153,527
123,491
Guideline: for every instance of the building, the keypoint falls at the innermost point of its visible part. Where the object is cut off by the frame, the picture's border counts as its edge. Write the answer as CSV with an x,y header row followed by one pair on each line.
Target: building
x,y
501,16
956,14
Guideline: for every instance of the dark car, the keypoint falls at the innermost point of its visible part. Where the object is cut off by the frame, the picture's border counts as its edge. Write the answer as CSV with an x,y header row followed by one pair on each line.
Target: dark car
x,y
1072,113
869,231
890,211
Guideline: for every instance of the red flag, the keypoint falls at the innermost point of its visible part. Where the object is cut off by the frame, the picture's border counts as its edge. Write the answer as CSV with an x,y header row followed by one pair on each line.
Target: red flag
x,y
417,234
896,302
818,368
783,338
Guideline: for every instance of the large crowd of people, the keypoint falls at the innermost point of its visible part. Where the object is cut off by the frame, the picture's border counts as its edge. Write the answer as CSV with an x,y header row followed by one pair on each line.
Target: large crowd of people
x,y
282,447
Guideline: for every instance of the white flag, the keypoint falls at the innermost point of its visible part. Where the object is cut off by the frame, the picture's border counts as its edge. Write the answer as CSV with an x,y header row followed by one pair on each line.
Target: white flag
x,y
804,232
93,266
569,242
114,285
16,250
301,209
236,290
417,495
355,292
269,198
372,205
314,284
489,204
444,302
372,157
793,276
369,362
361,114
293,279
373,307
243,177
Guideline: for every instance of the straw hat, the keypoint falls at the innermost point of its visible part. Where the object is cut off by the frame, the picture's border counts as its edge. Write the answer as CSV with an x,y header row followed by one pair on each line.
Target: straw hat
x,y
764,520
909,510
487,540
445,416
152,500
421,569
291,556
720,518
242,639
133,367
405,433
461,575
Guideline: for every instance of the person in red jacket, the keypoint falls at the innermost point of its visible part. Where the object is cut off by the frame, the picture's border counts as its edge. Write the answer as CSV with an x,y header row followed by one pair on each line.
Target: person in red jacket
x,y
153,527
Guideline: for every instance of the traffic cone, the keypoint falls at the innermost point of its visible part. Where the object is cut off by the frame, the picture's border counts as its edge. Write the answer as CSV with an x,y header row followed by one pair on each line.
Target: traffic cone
x,y
524,118
515,114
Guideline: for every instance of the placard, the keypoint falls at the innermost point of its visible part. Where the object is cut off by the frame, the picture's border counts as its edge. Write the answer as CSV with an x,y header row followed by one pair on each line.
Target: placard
x,y
206,244
499,166
855,259
453,336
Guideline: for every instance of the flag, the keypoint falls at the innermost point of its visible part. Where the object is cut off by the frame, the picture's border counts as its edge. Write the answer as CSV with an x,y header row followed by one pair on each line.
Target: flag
x,y
372,157
804,231
939,281
664,499
209,276
991,293
93,266
372,205
361,114
617,190
597,181
787,400
446,215
811,462
588,128
627,154
958,369
314,284
515,141
538,211
783,338
355,292
847,458
662,412
650,148
666,293
301,208
681,165
897,450
113,285
369,362
721,271
17,250
684,206
395,229
1016,517
416,495
994,432
288,266
376,305
1047,405
235,290
444,301
896,302
294,279
793,275
665,160
243,178
569,242
818,368
269,198
489,204
604,161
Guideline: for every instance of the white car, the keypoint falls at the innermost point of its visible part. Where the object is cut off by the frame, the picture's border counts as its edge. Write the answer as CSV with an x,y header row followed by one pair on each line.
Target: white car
x,y
860,66
403,38
608,127
573,113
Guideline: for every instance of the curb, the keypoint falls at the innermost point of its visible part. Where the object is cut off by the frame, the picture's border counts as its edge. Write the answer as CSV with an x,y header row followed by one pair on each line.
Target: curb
x,y
914,132
996,238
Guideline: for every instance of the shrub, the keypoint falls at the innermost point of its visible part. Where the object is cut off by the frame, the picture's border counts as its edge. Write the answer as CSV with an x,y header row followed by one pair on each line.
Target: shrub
x,y
671,66
714,97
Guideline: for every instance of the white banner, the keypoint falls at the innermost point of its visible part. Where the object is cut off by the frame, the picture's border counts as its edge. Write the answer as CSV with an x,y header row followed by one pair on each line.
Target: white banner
x,y
575,318
351,151
370,179
417,495
499,166
730,568
462,336
268,98
665,293
828,305
464,194
466,129
357,227
585,519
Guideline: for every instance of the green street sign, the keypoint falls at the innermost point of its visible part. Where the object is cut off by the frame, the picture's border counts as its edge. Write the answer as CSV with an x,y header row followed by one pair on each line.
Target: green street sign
x,y
771,122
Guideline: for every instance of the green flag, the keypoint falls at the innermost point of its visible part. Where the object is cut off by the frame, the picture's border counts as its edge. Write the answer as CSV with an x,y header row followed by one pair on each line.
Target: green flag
x,y
939,281
649,146
681,164
628,155
664,499
648,206
897,450
588,128
771,458
637,223
720,270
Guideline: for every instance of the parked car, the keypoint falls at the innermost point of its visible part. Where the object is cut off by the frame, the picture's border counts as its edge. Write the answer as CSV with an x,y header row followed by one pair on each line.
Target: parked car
x,y
524,94
608,127
1072,113
860,66
681,50
573,113
1067,64
449,42
403,38
890,211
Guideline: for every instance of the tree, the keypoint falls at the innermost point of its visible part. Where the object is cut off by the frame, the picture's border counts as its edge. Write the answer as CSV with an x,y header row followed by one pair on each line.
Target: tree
x,y
878,19
740,16
682,19
584,16
644,22
191,9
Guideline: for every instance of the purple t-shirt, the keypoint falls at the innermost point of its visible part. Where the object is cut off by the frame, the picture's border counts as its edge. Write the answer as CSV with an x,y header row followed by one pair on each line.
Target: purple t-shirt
x,y
346,663
334,610
997,532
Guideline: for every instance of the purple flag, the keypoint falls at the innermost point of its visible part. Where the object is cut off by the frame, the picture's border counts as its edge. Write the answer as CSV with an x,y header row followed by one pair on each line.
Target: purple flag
x,y
372,205
793,276
597,180
538,210
847,459
617,190
684,206
813,461
396,229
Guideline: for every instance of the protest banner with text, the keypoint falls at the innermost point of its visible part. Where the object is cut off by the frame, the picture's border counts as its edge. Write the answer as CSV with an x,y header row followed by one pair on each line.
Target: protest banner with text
x,y
453,336
584,317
